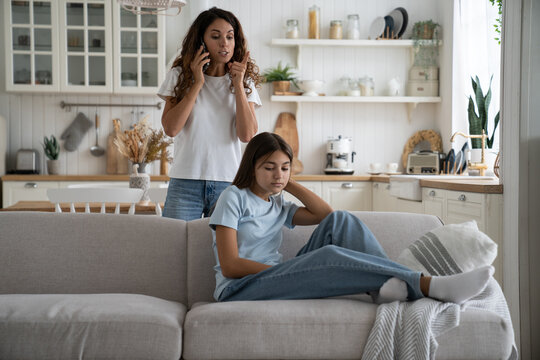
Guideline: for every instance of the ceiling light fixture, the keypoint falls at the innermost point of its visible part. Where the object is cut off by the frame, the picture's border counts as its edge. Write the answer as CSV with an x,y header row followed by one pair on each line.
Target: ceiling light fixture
x,y
155,7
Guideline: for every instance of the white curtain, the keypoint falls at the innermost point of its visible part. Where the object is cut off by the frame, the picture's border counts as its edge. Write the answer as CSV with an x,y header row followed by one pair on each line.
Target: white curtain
x,y
475,53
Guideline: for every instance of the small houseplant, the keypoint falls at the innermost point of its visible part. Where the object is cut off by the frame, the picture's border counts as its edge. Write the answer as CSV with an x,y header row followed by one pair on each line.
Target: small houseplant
x,y
52,151
425,36
280,77
478,121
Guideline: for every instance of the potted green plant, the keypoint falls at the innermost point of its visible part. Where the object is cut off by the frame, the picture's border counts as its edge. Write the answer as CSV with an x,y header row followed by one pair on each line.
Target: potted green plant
x,y
280,77
425,36
478,120
478,124
52,151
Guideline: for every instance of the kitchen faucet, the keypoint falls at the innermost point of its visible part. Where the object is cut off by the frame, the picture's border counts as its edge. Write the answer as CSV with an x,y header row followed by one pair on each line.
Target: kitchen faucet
x,y
482,166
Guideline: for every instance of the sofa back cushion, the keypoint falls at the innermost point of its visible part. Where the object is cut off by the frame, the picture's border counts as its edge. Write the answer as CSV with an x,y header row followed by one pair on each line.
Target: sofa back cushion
x,y
395,231
48,253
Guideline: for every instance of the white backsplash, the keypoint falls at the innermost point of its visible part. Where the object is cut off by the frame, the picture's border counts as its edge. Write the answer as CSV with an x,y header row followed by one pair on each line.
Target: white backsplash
x,y
379,131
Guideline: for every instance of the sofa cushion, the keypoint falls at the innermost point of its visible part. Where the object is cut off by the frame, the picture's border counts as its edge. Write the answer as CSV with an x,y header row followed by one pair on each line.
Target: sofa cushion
x,y
92,326
278,329
449,250
92,253
321,329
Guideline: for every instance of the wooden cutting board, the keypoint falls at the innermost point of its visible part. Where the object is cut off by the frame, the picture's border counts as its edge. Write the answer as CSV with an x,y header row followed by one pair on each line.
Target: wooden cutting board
x,y
286,128
116,162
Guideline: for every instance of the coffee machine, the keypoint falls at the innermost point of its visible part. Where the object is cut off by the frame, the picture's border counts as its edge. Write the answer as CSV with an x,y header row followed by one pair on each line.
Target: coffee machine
x,y
337,156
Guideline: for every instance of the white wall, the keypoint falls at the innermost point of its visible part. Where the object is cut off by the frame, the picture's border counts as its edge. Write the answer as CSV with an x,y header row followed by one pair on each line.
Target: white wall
x,y
379,131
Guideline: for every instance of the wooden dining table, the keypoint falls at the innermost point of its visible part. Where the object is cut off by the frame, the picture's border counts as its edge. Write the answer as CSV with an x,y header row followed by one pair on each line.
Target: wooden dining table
x,y
47,206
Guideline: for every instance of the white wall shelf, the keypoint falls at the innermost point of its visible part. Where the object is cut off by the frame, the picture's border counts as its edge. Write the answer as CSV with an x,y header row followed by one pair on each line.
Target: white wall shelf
x,y
365,42
357,99
410,101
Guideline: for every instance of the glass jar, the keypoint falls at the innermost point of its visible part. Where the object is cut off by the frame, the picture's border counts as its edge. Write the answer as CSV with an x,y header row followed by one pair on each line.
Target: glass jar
x,y
292,29
344,86
314,23
353,27
367,86
354,87
336,29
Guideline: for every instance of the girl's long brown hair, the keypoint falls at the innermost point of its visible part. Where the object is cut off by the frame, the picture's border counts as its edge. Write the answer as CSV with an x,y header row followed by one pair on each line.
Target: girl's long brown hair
x,y
259,146
192,43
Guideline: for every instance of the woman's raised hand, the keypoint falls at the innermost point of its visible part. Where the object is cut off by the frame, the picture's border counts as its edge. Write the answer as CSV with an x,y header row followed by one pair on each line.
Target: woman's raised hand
x,y
237,70
197,64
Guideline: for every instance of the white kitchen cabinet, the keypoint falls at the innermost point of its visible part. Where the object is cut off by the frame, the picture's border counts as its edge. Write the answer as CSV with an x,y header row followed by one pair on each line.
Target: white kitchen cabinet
x,y
32,48
348,195
382,200
454,207
315,186
341,195
15,191
82,46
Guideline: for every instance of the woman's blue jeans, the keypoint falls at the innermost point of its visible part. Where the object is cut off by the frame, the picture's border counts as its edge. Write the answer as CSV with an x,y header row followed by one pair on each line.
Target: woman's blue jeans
x,y
191,199
342,257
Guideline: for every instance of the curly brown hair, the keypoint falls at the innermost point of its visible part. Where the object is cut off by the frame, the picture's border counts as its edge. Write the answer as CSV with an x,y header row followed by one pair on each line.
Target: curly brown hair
x,y
191,45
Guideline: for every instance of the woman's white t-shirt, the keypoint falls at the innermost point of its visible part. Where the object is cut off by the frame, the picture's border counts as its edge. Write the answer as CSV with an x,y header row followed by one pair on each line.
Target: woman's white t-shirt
x,y
208,147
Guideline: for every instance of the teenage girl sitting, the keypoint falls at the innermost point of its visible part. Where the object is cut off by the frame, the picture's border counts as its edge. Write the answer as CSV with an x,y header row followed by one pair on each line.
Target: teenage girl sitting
x,y
342,256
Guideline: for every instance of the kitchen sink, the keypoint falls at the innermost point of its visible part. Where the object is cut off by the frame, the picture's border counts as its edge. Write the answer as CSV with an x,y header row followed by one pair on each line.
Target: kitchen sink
x,y
408,186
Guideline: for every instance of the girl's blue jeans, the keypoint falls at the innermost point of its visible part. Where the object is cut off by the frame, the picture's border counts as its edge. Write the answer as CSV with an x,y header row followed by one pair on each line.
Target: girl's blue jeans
x,y
342,257
191,199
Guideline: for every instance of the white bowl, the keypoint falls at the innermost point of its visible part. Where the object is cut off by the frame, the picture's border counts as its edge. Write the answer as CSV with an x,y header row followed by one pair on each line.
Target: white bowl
x,y
310,87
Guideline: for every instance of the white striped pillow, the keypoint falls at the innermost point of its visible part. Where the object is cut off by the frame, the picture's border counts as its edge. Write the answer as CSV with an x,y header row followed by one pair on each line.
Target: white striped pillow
x,y
450,249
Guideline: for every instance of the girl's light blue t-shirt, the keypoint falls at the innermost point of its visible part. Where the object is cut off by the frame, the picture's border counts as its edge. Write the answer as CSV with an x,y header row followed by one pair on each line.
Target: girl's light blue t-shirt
x,y
258,224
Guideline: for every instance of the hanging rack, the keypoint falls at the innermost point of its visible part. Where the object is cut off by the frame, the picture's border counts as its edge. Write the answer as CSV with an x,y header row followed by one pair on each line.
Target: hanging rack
x,y
67,106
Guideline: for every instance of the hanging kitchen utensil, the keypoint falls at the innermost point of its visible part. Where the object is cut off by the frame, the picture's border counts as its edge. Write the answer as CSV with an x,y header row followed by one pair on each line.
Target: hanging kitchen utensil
x,y
96,150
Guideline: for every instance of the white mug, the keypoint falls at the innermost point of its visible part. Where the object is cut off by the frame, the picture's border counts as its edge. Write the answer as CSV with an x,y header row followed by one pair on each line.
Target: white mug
x,y
375,167
392,167
339,163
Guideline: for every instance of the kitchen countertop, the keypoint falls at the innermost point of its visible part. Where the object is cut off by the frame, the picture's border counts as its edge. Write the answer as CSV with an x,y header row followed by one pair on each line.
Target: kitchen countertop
x,y
468,183
47,206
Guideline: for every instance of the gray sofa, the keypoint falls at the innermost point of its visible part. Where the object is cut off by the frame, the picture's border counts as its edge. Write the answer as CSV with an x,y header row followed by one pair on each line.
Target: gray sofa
x,y
91,286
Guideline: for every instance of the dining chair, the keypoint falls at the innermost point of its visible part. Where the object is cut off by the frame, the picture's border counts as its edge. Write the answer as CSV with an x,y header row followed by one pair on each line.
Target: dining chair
x,y
158,196
89,195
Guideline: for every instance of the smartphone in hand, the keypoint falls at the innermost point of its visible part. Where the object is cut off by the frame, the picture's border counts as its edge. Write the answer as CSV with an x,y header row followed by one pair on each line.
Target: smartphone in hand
x,y
205,66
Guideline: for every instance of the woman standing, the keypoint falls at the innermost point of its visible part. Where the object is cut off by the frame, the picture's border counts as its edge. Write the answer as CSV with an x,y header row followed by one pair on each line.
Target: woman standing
x,y
210,108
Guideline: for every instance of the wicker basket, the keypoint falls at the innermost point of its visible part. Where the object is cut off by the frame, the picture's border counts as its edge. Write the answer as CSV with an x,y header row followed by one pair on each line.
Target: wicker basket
x,y
158,6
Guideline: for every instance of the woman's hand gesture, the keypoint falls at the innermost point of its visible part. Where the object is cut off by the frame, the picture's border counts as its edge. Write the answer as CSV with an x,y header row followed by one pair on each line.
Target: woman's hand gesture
x,y
197,64
237,70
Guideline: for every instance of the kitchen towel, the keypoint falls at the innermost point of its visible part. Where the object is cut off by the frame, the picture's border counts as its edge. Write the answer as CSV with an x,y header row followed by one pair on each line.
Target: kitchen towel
x,y
75,132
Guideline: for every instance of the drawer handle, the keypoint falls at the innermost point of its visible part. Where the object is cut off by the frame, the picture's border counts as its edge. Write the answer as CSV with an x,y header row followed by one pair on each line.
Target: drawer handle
x,y
346,185
462,197
30,185
432,193
376,185
388,187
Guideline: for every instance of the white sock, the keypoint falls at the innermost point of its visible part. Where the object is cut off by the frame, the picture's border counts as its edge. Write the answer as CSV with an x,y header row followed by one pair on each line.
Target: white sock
x,y
460,287
393,289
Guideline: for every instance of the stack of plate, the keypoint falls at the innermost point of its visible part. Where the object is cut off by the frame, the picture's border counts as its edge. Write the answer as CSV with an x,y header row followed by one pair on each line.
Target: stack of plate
x,y
391,26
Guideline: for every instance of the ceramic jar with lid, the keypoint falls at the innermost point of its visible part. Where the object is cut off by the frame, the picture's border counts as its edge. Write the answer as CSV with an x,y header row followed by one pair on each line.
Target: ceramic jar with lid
x,y
353,27
292,29
336,30
367,86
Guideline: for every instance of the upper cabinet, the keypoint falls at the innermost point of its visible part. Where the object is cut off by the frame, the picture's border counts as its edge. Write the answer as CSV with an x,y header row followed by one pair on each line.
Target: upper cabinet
x,y
32,59
83,46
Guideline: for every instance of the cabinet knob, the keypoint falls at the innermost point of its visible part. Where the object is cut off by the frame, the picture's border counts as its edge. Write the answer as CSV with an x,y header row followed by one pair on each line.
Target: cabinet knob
x,y
432,193
376,185
30,185
346,185
462,197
